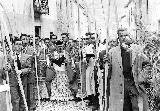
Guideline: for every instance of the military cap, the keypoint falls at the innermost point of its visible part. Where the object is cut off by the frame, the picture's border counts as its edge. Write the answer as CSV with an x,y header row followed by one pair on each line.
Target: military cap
x,y
66,34
53,36
17,39
23,35
89,34
46,39
59,43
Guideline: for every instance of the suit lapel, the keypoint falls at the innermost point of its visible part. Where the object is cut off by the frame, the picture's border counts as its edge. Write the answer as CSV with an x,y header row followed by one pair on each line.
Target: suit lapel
x,y
118,56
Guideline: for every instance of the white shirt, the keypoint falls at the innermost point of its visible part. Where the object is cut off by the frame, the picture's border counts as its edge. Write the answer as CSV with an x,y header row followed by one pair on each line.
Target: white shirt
x,y
48,61
1,60
101,47
89,49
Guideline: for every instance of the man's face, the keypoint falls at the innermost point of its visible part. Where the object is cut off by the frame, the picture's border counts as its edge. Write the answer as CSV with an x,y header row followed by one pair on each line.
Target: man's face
x,y
90,41
25,39
31,39
122,36
53,39
28,62
18,46
65,38
37,40
56,55
46,42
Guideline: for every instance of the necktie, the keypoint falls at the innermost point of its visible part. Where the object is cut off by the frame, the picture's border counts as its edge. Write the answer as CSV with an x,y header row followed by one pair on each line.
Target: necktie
x,y
18,63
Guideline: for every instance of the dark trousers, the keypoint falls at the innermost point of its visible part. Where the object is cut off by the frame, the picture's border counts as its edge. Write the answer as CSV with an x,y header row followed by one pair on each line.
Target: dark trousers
x,y
31,96
15,98
130,96
25,85
48,85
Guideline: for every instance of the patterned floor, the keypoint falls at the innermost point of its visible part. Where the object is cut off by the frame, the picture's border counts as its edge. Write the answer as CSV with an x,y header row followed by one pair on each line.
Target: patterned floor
x,y
63,106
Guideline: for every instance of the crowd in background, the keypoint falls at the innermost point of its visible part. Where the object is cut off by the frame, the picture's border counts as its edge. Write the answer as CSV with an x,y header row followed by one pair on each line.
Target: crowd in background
x,y
69,70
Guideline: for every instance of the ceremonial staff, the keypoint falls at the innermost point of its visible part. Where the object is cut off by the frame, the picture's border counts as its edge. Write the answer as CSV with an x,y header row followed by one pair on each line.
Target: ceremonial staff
x,y
37,84
36,71
35,54
8,94
97,40
5,29
80,51
106,101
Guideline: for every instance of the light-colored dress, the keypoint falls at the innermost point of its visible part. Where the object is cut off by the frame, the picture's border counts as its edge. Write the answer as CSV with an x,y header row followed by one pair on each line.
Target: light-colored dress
x,y
90,82
100,88
59,86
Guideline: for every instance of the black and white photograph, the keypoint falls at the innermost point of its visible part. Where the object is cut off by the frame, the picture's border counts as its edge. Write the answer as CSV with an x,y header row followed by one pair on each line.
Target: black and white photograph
x,y
79,55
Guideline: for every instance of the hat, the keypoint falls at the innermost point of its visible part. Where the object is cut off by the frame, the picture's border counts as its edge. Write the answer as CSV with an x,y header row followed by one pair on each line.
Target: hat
x,y
122,29
86,37
89,34
66,34
53,36
17,39
46,39
23,34
59,43
70,40
93,38
74,41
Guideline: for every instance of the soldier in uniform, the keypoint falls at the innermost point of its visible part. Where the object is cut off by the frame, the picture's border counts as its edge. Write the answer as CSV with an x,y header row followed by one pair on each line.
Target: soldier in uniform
x,y
53,38
21,64
13,82
25,42
24,39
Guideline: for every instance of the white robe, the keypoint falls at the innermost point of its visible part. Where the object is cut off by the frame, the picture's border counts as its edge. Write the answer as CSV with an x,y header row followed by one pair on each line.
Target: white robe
x,y
90,83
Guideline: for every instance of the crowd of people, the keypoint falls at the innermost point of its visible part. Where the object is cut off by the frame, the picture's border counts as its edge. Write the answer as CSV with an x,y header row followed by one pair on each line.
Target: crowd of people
x,y
77,70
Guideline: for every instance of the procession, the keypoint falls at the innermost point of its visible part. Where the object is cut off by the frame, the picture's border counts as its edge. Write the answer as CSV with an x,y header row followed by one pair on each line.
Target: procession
x,y
79,55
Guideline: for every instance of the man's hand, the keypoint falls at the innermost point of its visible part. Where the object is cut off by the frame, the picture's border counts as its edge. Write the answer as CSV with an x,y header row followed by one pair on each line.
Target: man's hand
x,y
25,70
35,53
7,67
106,59
19,72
